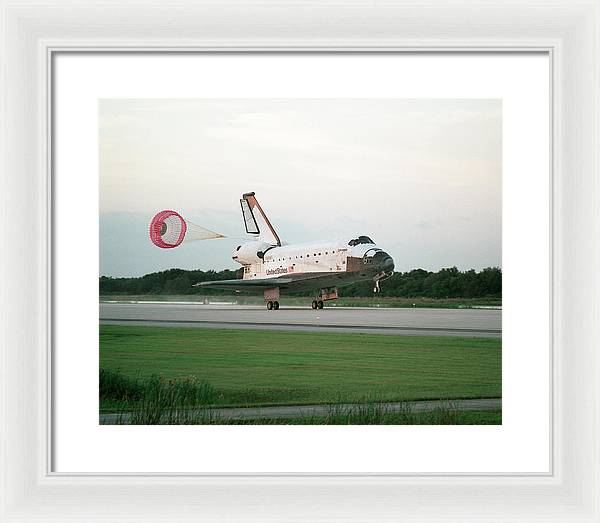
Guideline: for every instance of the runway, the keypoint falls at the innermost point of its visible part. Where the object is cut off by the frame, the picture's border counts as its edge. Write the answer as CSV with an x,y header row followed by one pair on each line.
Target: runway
x,y
299,411
414,322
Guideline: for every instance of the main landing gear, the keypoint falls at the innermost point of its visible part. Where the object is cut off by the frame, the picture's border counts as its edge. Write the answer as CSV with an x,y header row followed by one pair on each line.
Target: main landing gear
x,y
272,305
329,293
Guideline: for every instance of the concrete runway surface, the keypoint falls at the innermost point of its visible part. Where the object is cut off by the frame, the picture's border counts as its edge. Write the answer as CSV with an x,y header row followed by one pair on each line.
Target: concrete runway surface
x,y
431,322
297,411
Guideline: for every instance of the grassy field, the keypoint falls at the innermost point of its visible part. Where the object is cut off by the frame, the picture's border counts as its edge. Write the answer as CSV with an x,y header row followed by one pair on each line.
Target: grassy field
x,y
375,301
259,367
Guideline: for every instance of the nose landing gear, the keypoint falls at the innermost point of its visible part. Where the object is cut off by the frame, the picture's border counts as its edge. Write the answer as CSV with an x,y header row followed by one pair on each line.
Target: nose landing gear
x,y
272,305
317,304
380,277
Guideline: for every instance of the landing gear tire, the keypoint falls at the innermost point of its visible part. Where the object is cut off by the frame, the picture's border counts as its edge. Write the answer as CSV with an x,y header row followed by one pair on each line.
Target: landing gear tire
x,y
320,304
314,304
276,305
269,305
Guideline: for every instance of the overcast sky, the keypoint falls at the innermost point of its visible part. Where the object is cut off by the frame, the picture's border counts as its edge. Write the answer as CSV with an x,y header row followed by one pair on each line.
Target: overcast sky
x,y
423,178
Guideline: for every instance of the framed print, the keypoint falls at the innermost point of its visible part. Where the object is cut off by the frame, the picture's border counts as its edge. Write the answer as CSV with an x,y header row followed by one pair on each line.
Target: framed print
x,y
443,156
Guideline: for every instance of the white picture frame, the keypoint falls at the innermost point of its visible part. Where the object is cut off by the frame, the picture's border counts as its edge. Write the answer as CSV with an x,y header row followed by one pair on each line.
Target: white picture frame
x,y
34,31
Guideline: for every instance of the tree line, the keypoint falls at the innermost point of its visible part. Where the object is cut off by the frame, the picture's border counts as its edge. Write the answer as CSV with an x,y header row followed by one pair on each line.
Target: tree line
x,y
445,283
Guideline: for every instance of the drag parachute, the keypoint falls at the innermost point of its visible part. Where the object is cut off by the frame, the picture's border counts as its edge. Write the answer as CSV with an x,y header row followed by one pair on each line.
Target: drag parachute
x,y
168,229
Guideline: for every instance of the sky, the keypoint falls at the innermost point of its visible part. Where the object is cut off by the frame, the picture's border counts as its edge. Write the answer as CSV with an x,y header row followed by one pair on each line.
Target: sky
x,y
421,177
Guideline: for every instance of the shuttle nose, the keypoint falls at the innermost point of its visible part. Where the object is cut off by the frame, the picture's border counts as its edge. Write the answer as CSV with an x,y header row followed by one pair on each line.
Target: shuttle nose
x,y
388,264
384,261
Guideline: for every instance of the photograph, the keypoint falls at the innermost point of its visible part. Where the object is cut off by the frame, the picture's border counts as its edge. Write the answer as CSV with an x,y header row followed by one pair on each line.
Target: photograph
x,y
300,261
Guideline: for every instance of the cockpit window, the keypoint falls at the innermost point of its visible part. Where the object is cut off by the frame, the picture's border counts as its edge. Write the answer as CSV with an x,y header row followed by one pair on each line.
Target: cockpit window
x,y
360,240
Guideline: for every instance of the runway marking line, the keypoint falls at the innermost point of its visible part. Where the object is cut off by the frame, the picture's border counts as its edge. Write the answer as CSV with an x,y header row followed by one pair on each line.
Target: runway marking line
x,y
328,326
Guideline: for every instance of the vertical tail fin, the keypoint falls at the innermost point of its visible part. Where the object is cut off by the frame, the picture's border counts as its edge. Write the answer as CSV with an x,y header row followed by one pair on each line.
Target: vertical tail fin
x,y
256,220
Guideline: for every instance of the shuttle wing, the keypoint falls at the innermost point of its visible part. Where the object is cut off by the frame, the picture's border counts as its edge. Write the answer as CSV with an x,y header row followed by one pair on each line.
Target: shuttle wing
x,y
289,282
245,285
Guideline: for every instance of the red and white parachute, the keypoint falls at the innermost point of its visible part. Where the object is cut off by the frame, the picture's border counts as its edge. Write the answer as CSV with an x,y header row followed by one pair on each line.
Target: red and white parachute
x,y
168,229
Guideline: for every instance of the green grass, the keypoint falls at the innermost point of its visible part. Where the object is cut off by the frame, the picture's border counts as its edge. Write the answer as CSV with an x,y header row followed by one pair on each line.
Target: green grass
x,y
366,414
259,367
153,398
297,301
437,417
